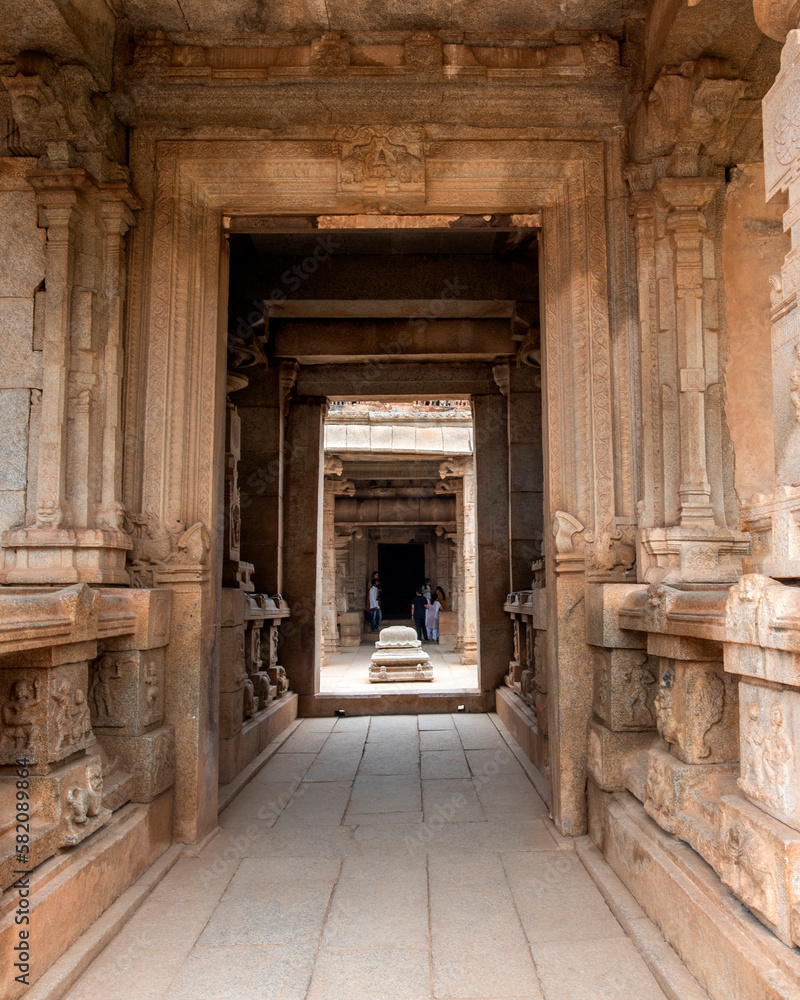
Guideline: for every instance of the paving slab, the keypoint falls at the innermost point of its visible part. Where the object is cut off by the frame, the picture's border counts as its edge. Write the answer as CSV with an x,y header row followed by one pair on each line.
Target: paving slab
x,y
440,739
383,793
444,764
595,970
451,800
277,972
361,974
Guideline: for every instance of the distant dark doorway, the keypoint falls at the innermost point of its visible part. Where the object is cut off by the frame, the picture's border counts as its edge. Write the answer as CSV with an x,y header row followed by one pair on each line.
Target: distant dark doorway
x,y
402,570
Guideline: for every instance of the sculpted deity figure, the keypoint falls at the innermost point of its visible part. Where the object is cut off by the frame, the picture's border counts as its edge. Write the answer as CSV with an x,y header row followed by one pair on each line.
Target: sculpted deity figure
x,y
151,689
19,713
777,754
80,721
753,756
666,721
639,680
100,695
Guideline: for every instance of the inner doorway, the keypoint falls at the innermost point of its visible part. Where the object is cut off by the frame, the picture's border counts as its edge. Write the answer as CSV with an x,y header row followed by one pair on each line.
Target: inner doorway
x,y
401,569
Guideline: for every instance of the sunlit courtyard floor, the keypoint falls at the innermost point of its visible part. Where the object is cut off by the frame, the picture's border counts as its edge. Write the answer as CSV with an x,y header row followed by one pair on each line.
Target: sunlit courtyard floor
x,y
348,673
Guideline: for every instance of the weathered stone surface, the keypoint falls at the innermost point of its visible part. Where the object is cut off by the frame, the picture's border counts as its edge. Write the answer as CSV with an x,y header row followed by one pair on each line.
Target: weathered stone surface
x,y
150,758
684,799
126,691
603,603
626,682
760,864
769,730
151,610
45,714
609,753
697,711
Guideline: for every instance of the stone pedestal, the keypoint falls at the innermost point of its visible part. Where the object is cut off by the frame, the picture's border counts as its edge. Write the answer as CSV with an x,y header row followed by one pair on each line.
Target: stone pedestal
x,y
399,656
350,628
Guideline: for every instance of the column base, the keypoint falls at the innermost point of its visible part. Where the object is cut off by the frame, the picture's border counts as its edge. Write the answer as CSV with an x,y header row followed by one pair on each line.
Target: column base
x,y
64,555
692,555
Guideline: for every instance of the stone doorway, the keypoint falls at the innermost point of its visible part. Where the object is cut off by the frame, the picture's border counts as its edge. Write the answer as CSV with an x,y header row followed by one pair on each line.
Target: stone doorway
x,y
179,322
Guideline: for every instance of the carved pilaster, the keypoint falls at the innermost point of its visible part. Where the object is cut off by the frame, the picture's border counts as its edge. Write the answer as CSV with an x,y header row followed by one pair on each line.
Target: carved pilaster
x,y
685,198
70,539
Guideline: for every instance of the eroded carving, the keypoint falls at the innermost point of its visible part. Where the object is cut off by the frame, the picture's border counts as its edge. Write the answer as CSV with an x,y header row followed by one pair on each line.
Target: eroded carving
x,y
381,161
19,713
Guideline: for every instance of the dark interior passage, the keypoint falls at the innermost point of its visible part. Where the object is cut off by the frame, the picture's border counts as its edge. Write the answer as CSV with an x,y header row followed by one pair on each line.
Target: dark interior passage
x,y
402,570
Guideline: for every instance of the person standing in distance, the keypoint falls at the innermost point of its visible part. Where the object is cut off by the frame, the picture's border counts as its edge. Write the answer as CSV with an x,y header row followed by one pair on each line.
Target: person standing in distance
x,y
375,603
418,607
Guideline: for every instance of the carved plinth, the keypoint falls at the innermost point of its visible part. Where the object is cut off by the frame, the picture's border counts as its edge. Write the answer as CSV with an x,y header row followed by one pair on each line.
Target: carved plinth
x,y
126,691
770,758
277,676
774,523
149,758
697,711
66,807
399,656
64,555
609,754
684,799
44,712
232,662
237,574
692,555
625,685
759,861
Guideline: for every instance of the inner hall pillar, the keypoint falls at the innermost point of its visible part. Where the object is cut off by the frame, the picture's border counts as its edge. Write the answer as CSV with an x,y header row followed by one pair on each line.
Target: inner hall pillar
x,y
302,541
526,475
261,477
490,417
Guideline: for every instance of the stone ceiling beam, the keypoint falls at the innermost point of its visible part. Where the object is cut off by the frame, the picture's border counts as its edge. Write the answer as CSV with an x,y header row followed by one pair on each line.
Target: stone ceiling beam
x,y
369,340
388,308
400,380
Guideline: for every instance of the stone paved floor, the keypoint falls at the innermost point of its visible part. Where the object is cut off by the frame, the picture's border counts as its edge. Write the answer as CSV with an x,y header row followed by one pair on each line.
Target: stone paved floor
x,y
348,673
397,858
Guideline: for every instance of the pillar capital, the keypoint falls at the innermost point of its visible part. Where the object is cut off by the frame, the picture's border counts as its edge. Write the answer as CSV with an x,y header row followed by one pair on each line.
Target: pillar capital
x,y
687,195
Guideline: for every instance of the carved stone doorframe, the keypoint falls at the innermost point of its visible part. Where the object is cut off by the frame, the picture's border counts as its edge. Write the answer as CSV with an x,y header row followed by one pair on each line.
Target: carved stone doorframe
x,y
175,367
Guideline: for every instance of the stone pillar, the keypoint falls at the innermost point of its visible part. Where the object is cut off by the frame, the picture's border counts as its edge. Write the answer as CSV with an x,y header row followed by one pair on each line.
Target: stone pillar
x,y
685,197
235,573
302,538
490,417
116,212
261,477
459,476
526,474
191,696
774,518
332,487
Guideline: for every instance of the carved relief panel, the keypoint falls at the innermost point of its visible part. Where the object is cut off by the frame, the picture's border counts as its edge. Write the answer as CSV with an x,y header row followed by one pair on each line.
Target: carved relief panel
x,y
44,715
625,688
126,691
769,733
697,711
